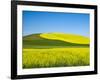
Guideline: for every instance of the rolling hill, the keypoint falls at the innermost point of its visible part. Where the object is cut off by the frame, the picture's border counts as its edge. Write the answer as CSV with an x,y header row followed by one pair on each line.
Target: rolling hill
x,y
66,37
49,40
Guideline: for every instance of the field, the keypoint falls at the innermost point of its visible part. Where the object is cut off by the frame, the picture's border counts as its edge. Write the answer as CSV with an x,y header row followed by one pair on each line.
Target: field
x,y
55,50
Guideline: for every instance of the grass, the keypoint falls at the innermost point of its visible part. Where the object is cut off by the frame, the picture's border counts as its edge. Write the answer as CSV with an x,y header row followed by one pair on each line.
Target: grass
x,y
55,57
40,52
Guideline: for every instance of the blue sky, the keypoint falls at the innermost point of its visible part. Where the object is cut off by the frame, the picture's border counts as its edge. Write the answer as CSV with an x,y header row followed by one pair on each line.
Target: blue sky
x,y
44,22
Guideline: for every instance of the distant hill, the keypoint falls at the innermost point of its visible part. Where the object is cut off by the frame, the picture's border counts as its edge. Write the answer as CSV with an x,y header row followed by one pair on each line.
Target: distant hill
x,y
54,39
66,37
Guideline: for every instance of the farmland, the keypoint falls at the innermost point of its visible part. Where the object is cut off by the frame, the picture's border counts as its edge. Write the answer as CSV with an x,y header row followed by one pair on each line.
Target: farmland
x,y
55,50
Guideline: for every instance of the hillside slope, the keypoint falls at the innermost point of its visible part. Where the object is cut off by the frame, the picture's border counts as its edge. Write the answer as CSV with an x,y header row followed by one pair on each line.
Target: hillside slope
x,y
72,38
46,40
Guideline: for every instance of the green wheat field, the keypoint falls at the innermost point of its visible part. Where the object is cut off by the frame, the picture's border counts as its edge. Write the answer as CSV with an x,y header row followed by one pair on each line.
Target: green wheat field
x,y
55,50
